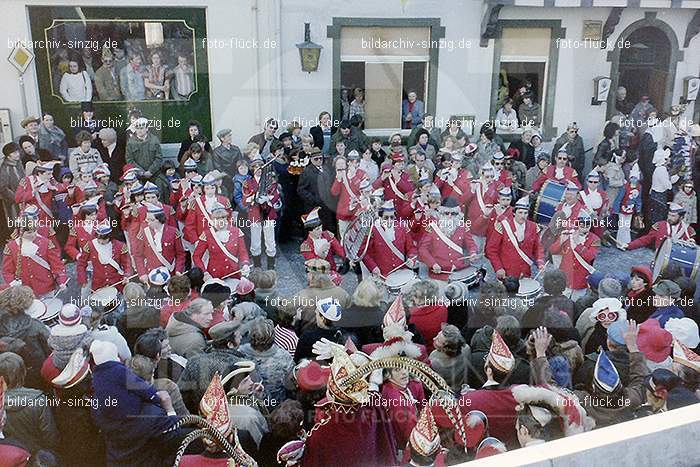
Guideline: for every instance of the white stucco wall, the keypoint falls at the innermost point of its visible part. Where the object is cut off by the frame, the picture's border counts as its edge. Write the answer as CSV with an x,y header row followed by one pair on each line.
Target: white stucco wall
x,y
247,85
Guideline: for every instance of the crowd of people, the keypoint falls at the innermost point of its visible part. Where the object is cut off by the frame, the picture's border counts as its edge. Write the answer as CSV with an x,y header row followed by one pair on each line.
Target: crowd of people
x,y
452,306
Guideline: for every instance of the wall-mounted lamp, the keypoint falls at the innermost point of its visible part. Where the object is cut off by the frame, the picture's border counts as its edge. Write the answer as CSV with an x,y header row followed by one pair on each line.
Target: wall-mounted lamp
x,y
691,86
601,90
309,52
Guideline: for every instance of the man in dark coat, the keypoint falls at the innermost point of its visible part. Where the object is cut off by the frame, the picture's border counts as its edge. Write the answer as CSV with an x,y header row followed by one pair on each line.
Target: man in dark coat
x,y
314,189
573,144
112,152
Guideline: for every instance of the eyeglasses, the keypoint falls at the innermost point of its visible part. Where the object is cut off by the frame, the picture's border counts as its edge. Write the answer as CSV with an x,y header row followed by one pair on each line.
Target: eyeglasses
x,y
604,315
498,163
562,158
595,182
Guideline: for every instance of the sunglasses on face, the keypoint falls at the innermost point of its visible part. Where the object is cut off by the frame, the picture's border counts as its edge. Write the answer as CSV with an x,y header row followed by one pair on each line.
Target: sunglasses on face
x,y
498,163
594,182
604,315
562,158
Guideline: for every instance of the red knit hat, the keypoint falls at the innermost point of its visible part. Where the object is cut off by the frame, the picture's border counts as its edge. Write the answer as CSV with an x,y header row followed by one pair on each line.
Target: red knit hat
x,y
654,341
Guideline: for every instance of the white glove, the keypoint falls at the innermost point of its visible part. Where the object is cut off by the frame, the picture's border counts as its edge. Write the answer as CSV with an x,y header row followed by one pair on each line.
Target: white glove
x,y
322,349
15,283
245,270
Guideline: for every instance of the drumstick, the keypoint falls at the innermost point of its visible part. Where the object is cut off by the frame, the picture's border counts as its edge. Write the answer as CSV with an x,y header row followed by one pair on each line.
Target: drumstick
x,y
112,285
540,271
60,290
610,237
397,268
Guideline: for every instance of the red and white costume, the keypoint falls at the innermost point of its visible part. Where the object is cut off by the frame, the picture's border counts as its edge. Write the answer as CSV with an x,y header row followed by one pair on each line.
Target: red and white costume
x,y
227,252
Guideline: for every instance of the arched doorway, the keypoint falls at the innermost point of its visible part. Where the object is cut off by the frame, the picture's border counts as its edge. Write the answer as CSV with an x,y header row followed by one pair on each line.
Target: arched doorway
x,y
644,66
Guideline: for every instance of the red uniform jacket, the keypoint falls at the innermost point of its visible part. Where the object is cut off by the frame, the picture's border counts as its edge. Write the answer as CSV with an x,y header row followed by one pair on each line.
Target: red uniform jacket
x,y
459,189
25,196
502,254
260,212
576,273
570,175
575,211
197,219
379,254
476,215
167,209
42,280
172,250
400,198
433,249
222,263
603,208
660,232
104,274
307,249
345,198
78,237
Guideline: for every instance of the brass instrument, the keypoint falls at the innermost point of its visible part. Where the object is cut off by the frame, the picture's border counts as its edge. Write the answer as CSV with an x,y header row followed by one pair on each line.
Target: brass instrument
x,y
267,179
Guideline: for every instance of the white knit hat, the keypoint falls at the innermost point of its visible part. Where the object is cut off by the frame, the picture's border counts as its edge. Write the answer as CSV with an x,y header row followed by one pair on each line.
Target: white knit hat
x,y
103,351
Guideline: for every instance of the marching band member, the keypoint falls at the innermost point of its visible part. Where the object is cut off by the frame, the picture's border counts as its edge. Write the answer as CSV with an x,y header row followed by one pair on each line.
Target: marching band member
x,y
262,213
397,186
151,195
82,230
90,194
673,227
38,190
33,260
123,196
130,214
502,209
514,245
578,248
189,190
43,229
390,245
447,245
111,265
560,172
158,244
502,176
483,195
228,256
346,187
320,243
595,200
627,203
569,209
453,180
198,207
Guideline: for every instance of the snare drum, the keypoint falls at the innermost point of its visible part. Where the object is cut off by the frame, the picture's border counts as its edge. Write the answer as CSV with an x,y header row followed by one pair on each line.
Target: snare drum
x,y
232,284
684,254
399,279
107,297
468,276
53,308
529,289
551,194
37,309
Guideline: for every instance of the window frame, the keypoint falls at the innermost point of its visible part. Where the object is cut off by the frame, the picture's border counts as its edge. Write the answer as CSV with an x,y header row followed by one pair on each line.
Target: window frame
x,y
437,32
549,131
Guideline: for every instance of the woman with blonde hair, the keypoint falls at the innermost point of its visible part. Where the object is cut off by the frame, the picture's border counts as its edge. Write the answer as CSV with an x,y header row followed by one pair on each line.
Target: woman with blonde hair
x,y
364,316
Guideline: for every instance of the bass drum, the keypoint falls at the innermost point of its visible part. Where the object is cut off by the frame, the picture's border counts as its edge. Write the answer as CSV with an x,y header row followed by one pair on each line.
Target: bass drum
x,y
684,254
551,194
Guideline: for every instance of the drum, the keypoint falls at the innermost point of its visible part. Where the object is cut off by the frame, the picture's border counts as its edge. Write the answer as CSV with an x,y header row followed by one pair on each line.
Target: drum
x,y
53,307
551,194
684,254
37,309
232,283
529,289
106,297
399,279
468,276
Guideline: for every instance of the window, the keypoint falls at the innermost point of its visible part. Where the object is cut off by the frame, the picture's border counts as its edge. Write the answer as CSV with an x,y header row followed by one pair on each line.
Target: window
x,y
388,63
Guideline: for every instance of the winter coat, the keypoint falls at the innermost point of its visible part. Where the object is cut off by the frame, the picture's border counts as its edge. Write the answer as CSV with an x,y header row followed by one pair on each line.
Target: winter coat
x,y
604,153
200,369
10,176
129,415
137,320
574,149
481,345
453,369
146,154
29,419
530,115
186,337
28,338
273,365
690,203
583,378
